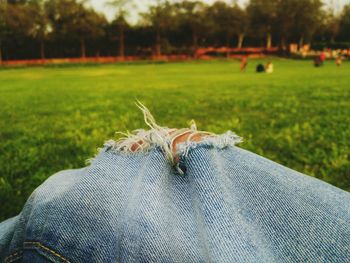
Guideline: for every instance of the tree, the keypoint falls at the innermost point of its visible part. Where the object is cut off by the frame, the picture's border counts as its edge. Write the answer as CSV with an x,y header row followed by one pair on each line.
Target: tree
x,y
15,22
308,19
192,15
229,20
331,26
289,19
263,18
223,18
161,17
41,28
88,25
120,21
72,19
241,24
286,15
71,27
2,26
345,23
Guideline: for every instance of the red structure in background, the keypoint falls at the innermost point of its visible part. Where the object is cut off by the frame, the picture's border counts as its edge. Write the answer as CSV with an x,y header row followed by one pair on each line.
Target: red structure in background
x,y
200,53
235,52
97,60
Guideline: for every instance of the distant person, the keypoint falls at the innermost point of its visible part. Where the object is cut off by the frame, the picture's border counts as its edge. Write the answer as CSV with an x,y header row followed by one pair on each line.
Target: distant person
x,y
260,68
338,61
317,62
244,63
322,57
269,67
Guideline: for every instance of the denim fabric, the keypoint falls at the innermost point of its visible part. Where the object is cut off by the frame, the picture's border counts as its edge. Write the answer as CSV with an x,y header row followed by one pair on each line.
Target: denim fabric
x,y
230,206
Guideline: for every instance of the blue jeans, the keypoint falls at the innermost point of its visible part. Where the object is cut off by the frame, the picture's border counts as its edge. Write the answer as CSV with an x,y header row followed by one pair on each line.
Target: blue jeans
x,y
205,201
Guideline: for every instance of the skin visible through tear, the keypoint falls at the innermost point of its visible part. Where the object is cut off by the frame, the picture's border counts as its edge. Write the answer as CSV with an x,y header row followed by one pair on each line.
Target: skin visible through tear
x,y
189,135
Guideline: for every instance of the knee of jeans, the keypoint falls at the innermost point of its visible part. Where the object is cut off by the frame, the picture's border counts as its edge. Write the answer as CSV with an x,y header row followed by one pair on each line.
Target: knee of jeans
x,y
175,143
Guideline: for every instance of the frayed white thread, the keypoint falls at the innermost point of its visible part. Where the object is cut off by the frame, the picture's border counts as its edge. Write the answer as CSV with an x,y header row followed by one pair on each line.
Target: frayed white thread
x,y
166,139
218,141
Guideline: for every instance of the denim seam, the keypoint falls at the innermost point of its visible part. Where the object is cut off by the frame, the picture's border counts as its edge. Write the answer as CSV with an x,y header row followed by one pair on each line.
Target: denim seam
x,y
14,256
39,245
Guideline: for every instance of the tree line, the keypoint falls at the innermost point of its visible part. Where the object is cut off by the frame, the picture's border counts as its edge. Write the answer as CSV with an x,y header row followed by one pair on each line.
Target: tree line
x,y
70,28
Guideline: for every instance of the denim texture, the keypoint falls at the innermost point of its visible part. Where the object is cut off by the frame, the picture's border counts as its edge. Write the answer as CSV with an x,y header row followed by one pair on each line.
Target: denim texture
x,y
231,205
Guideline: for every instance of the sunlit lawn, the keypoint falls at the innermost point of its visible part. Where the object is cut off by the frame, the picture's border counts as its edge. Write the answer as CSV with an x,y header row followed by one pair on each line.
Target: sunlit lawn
x,y
55,118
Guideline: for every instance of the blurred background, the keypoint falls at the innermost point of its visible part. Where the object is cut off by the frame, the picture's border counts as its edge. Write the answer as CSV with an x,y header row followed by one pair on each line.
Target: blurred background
x,y
70,72
33,29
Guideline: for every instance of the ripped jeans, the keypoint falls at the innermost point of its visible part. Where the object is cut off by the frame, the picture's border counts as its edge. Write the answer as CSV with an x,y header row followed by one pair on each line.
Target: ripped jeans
x,y
179,195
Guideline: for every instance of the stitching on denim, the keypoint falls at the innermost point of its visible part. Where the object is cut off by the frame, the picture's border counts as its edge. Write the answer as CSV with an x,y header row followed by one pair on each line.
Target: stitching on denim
x,y
39,245
142,141
14,256
14,259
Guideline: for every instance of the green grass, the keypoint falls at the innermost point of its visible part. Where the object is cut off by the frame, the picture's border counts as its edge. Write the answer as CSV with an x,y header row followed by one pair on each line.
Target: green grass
x,y
55,118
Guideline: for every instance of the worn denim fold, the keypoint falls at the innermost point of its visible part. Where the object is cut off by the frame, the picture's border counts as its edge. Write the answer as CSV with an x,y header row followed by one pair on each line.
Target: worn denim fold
x,y
231,205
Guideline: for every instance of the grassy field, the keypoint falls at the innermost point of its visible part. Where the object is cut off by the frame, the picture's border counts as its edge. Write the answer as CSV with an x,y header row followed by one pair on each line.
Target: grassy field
x,y
55,118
